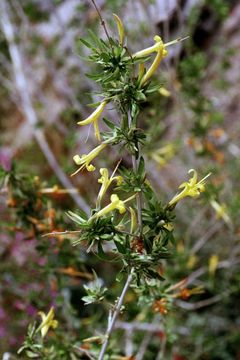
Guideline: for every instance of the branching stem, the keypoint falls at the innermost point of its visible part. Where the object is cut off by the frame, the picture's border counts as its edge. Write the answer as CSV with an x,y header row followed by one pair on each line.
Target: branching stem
x,y
130,276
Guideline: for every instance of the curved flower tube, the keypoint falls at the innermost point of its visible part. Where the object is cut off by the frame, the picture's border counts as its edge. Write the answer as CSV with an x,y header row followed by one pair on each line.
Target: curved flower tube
x,y
120,29
156,47
164,92
149,50
47,322
164,154
85,160
106,182
160,48
94,117
133,220
161,52
116,204
141,71
192,188
213,264
221,211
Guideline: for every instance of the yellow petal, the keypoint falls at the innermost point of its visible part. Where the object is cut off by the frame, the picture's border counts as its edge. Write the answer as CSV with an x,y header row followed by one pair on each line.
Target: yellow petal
x,y
141,71
147,51
164,92
160,54
120,28
213,264
95,115
97,132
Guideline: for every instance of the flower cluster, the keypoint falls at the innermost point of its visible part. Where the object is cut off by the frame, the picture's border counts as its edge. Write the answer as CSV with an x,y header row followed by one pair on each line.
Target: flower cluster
x,y
47,322
93,119
106,182
116,204
85,160
192,188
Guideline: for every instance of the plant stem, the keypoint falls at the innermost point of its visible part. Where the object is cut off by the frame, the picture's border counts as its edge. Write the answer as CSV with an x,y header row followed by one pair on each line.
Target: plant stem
x,y
102,22
115,315
139,195
139,198
130,276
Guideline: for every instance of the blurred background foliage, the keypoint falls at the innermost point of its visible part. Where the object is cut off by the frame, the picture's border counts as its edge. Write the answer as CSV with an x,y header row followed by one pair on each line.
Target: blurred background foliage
x,y
192,123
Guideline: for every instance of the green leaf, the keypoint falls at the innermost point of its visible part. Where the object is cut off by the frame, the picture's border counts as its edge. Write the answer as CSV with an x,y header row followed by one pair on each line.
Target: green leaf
x,y
110,124
86,43
76,218
152,89
141,166
101,252
154,274
120,246
31,354
96,40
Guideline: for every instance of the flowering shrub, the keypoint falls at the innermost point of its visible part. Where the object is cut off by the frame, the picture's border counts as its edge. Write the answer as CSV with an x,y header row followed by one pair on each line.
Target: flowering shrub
x,y
150,296
143,236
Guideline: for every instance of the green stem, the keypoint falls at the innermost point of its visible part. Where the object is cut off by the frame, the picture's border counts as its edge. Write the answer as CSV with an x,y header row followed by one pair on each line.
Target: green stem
x,y
135,168
139,198
130,276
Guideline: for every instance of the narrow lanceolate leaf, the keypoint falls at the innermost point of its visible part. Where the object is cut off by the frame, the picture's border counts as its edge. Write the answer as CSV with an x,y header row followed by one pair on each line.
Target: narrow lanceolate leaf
x,y
87,44
76,218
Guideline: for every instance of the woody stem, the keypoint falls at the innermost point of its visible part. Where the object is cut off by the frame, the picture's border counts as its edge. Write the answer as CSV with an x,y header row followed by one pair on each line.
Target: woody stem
x,y
115,315
113,318
139,194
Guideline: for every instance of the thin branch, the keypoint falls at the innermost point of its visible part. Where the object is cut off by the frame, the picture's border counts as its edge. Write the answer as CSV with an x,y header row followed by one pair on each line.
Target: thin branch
x,y
102,22
211,231
147,327
143,346
84,352
56,191
138,326
128,342
28,109
225,264
66,232
115,315
199,304
161,354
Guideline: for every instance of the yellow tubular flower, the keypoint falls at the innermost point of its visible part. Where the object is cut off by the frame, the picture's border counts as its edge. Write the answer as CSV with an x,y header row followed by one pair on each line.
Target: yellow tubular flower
x,y
161,52
156,47
94,117
141,70
120,29
116,203
221,211
192,188
163,155
213,264
149,50
192,261
85,160
47,322
106,182
164,92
